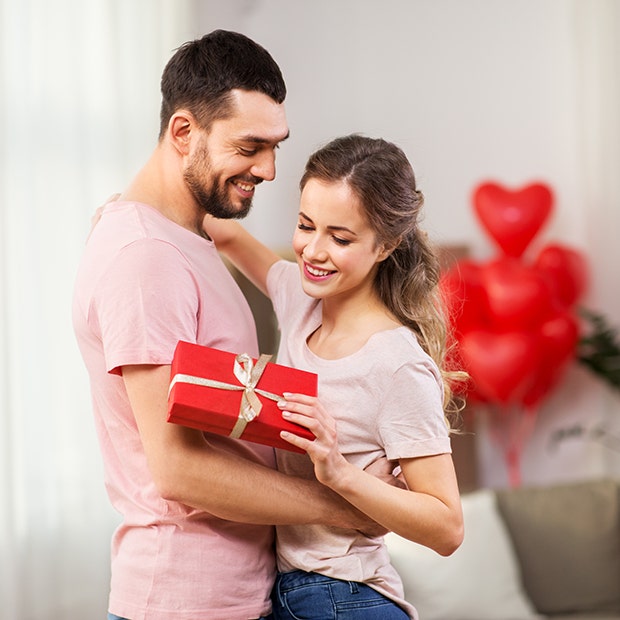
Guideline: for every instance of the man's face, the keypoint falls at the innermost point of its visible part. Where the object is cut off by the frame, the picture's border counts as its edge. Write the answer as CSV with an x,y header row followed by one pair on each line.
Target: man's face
x,y
236,155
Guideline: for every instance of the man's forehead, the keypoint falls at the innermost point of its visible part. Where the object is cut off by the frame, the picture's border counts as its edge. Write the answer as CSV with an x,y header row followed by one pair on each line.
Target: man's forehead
x,y
257,118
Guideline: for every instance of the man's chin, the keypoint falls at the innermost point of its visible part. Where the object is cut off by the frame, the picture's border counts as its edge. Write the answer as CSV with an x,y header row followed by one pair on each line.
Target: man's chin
x,y
242,210
228,212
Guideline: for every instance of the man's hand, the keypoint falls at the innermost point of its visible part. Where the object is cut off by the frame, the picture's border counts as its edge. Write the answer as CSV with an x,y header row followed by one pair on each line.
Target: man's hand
x,y
388,472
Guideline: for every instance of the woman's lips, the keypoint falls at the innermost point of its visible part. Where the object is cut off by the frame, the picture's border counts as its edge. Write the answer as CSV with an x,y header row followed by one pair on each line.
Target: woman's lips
x,y
315,273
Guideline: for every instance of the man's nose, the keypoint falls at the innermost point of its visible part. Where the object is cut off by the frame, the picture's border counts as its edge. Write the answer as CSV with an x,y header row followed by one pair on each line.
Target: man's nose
x,y
265,166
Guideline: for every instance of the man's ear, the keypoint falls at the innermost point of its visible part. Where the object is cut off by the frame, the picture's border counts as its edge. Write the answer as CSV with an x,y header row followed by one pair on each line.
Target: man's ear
x,y
181,126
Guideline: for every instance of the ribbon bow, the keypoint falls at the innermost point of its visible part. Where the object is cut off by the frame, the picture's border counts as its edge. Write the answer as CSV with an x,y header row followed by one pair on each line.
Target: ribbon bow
x,y
248,374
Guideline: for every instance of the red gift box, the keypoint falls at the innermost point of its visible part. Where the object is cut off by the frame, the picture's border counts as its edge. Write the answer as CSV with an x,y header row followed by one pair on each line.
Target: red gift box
x,y
234,395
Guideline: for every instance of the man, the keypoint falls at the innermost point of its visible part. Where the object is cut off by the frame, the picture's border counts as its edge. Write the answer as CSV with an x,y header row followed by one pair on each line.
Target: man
x,y
195,541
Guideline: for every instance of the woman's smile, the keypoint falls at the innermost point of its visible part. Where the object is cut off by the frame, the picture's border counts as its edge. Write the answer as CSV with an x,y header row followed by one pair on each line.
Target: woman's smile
x,y
315,273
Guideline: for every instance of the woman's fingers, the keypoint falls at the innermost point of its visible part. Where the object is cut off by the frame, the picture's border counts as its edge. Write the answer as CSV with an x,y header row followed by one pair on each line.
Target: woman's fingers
x,y
305,405
302,399
305,419
296,440
308,411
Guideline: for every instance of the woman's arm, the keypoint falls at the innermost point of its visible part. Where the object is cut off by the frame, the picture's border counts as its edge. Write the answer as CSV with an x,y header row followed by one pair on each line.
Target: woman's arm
x,y
188,469
251,257
428,512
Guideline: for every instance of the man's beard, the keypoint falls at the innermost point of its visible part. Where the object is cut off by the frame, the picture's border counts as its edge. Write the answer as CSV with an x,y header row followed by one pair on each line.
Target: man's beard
x,y
213,199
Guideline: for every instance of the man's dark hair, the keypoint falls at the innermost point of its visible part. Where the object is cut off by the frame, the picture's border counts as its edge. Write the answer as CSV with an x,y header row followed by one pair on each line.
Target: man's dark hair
x,y
201,74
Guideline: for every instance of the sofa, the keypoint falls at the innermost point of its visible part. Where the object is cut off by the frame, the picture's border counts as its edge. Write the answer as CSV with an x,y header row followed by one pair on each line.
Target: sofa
x,y
529,552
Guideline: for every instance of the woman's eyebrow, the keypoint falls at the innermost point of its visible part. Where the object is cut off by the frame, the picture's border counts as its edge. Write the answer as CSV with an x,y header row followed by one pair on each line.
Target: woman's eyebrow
x,y
338,228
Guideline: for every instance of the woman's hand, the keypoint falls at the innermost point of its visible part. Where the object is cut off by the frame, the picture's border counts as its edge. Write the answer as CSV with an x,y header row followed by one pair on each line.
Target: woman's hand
x,y
427,511
329,464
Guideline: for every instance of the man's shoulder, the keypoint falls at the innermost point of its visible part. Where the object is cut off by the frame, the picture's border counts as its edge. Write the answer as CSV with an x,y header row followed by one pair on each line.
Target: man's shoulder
x,y
134,218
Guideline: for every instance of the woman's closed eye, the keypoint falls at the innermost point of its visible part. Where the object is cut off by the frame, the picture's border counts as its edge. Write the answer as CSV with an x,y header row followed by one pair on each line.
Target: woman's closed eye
x,y
340,240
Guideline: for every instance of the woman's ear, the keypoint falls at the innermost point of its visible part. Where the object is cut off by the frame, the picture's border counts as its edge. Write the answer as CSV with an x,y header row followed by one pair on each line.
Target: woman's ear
x,y
385,251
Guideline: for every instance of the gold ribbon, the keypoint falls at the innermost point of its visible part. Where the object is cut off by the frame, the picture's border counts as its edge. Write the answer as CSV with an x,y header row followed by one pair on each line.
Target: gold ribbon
x,y
249,375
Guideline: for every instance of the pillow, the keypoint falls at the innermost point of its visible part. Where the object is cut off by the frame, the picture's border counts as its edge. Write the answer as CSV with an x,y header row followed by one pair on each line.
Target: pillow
x,y
567,538
479,581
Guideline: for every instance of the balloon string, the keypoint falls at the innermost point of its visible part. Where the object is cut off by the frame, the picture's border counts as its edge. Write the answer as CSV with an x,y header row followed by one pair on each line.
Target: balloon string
x,y
511,427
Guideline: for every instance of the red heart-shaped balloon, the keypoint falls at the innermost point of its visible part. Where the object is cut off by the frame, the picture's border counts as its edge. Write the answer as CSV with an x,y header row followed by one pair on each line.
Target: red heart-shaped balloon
x,y
513,217
566,271
518,295
559,336
501,365
464,296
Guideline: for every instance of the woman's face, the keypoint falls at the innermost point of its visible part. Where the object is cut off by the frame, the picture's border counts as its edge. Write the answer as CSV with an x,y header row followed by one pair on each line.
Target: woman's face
x,y
335,246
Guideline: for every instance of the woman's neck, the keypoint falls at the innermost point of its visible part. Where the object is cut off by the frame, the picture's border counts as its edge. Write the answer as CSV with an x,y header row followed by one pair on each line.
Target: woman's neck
x,y
346,326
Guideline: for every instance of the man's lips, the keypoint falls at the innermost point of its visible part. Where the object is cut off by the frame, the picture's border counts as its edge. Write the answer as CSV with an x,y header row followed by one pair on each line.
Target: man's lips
x,y
246,189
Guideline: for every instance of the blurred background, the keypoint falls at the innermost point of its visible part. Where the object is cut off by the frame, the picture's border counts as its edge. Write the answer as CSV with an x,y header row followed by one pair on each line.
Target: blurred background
x,y
473,91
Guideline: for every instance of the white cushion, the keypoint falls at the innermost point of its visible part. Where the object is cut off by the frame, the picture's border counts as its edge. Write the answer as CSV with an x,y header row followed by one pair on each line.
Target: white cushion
x,y
479,581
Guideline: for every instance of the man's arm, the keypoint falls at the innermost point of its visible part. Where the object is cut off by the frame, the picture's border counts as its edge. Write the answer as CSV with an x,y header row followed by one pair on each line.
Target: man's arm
x,y
249,255
187,469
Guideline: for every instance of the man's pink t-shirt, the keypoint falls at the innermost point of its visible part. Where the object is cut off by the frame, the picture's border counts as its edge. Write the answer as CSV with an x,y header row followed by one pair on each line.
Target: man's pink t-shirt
x,y
145,283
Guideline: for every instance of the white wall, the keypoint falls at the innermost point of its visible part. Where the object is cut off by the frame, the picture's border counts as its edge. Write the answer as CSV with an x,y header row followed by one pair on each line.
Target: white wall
x,y
472,90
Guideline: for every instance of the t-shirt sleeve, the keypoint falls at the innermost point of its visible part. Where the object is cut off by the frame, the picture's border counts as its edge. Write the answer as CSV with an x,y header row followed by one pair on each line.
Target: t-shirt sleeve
x,y
411,419
146,302
284,288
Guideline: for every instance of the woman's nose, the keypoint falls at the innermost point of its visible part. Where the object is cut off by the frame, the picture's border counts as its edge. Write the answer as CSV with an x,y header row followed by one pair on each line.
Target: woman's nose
x,y
315,249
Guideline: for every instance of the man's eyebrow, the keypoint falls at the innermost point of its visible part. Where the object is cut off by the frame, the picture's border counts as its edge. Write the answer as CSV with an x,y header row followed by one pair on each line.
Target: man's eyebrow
x,y
263,140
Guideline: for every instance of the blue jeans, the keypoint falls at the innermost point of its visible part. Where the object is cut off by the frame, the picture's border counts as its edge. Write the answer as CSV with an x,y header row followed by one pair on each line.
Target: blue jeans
x,y
312,596
113,617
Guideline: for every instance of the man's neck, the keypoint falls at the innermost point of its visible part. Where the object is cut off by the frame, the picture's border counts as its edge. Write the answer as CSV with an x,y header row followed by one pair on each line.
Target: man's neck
x,y
160,184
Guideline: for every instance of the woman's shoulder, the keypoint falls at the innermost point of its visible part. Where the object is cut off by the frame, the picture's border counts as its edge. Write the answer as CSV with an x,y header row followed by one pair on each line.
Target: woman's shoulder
x,y
399,340
399,348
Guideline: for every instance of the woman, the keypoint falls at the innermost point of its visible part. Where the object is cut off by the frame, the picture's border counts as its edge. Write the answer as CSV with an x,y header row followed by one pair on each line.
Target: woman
x,y
365,317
